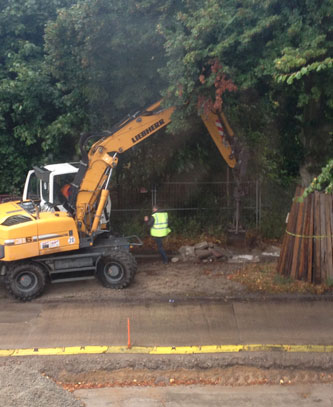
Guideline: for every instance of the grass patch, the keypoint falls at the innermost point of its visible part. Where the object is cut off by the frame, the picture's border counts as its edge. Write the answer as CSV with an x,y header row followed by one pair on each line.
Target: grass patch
x,y
264,278
329,282
282,280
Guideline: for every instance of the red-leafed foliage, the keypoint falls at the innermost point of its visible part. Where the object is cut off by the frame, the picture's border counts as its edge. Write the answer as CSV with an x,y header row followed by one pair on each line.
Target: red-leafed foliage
x,y
221,84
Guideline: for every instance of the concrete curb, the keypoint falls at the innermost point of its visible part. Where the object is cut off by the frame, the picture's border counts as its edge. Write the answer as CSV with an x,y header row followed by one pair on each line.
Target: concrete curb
x,y
166,350
177,299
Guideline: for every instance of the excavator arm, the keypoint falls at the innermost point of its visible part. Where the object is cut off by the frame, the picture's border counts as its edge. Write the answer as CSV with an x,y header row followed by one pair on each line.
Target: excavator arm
x,y
91,184
222,134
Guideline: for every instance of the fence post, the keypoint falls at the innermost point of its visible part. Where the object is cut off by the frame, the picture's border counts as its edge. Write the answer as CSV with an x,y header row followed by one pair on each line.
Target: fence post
x,y
153,195
257,204
260,203
228,187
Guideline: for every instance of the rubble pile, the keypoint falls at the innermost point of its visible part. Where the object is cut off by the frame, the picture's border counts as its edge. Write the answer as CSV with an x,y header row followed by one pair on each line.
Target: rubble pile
x,y
209,252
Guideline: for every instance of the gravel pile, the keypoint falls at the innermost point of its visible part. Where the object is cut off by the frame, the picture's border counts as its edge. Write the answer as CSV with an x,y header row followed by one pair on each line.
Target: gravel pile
x,y
22,386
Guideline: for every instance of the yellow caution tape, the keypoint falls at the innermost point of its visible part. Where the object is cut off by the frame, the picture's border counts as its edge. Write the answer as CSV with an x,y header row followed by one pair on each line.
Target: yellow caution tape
x,y
308,237
163,350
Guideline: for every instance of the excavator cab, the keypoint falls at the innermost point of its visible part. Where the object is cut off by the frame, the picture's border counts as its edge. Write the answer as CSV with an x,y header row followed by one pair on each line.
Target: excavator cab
x,y
43,185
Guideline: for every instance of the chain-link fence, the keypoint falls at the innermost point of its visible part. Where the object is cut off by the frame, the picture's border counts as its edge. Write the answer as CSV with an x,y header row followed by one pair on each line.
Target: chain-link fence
x,y
210,204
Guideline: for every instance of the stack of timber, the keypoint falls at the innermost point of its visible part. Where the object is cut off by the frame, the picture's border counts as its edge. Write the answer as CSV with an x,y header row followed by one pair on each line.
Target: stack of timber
x,y
306,252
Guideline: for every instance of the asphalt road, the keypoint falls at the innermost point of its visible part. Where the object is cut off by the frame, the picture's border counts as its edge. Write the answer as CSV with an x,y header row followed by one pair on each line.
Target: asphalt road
x,y
80,323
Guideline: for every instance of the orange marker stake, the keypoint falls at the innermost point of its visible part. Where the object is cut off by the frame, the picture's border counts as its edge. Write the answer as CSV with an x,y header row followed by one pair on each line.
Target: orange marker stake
x,y
128,334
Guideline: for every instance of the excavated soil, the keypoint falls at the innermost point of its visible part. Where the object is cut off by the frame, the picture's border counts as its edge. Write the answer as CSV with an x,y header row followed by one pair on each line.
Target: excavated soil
x,y
29,382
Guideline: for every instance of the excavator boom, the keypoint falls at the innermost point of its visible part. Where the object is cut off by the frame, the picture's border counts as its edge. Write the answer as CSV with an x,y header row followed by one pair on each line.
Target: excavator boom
x,y
92,180
102,158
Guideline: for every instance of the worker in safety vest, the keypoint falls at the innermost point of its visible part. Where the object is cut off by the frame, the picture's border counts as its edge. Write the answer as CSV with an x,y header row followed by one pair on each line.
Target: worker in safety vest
x,y
158,223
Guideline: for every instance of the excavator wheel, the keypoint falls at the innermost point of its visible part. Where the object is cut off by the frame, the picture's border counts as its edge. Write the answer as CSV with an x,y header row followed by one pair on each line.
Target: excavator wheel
x,y
25,281
116,270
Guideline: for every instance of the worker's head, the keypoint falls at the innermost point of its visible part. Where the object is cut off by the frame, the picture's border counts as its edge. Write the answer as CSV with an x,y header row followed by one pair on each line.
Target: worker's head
x,y
155,208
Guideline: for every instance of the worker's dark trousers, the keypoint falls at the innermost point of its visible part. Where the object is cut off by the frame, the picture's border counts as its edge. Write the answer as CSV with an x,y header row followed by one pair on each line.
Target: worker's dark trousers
x,y
159,242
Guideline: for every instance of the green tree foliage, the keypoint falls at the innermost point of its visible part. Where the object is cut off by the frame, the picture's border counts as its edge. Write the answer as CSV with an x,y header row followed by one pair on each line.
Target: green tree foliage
x,y
105,55
71,66
279,55
322,183
28,99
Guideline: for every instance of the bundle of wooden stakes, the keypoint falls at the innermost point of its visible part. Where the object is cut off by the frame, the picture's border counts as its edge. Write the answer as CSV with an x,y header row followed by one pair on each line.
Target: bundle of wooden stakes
x,y
306,252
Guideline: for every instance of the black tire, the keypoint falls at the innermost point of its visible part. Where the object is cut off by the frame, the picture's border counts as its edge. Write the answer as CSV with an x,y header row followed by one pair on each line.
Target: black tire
x,y
25,281
116,270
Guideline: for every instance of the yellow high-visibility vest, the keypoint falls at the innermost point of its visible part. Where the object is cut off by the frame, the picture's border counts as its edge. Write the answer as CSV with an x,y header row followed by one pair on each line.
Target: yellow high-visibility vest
x,y
160,227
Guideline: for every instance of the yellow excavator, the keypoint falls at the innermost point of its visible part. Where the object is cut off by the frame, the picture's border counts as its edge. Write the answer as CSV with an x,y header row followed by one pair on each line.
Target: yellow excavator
x,y
40,246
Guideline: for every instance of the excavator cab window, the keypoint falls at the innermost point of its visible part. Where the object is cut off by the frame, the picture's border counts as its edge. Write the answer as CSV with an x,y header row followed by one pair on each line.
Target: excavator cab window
x,y
33,188
45,193
60,181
